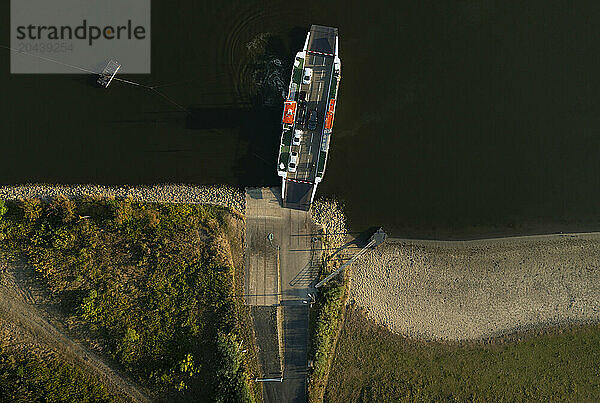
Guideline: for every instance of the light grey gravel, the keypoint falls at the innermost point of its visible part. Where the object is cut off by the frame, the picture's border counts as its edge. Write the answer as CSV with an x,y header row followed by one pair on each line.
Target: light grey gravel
x,y
171,193
328,214
479,289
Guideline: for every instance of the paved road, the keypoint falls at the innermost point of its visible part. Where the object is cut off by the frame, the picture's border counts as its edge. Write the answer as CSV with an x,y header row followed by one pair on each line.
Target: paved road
x,y
299,263
294,385
293,233
264,216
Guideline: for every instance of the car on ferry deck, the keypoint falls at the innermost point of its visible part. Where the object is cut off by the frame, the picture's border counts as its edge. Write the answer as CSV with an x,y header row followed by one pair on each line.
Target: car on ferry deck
x,y
293,161
297,137
312,120
308,72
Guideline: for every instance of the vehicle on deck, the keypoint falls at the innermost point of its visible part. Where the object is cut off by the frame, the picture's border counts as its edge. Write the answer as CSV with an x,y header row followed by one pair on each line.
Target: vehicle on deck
x,y
312,120
307,75
293,161
301,114
297,137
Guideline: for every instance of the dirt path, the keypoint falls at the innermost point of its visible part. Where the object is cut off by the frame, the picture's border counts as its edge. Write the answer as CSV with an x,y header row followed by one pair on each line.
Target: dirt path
x,y
16,305
465,290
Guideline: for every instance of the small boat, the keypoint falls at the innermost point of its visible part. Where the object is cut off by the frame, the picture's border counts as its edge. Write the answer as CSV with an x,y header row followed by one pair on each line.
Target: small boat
x,y
109,72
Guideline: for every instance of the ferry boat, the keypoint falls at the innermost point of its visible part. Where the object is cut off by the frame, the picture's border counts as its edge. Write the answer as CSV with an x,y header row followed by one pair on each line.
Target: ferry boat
x,y
308,115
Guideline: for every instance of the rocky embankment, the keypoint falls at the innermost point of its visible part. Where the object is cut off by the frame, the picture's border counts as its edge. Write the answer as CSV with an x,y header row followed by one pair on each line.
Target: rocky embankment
x,y
329,216
220,195
479,289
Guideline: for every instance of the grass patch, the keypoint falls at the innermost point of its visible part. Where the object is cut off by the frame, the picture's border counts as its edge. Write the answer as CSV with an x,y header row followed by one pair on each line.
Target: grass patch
x,y
322,159
334,85
284,151
29,377
373,364
297,74
152,283
284,158
286,138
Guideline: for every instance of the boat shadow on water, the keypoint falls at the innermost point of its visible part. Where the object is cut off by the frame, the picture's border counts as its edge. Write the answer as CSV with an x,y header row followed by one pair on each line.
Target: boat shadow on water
x,y
258,133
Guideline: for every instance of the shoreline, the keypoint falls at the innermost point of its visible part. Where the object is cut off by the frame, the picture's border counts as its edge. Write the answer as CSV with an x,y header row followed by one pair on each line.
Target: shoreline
x,y
457,242
472,233
221,195
482,289
233,197
433,265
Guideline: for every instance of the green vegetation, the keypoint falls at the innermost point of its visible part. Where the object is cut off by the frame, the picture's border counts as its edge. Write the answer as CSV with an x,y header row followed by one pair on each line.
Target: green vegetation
x,y
333,90
325,321
297,75
322,159
373,364
28,377
286,138
284,158
284,152
3,208
154,283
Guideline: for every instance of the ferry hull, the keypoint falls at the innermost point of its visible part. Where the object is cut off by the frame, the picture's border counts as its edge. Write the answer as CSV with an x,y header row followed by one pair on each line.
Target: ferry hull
x,y
308,117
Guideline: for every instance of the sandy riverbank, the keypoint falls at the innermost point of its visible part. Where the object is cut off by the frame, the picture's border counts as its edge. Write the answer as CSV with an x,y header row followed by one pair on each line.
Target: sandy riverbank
x,y
170,193
479,289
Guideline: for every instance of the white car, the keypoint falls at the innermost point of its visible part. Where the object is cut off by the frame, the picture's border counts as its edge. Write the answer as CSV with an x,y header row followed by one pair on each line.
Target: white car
x,y
293,161
307,75
297,137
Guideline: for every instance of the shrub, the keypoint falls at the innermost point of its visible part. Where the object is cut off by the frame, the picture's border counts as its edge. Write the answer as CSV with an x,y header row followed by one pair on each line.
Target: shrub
x,y
325,324
32,209
154,281
230,379
63,208
3,208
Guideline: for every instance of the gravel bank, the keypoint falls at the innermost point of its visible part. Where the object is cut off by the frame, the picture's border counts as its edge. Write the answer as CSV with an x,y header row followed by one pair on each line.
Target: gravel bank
x,y
329,216
479,289
220,195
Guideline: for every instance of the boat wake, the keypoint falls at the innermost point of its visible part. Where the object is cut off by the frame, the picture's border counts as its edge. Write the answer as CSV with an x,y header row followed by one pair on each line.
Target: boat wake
x,y
267,71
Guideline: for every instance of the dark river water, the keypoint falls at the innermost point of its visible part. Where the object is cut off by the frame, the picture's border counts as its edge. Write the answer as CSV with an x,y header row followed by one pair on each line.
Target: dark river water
x,y
454,119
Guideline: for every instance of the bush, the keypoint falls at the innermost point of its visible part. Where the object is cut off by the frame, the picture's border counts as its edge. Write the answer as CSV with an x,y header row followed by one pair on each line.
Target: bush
x,y
326,320
63,208
3,208
32,209
230,383
154,281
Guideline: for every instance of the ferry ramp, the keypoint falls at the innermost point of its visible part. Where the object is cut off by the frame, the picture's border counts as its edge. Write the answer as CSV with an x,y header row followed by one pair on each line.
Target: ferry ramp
x,y
279,272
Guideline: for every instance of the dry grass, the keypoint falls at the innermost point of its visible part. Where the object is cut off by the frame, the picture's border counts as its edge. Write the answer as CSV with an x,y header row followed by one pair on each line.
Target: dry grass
x,y
374,365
